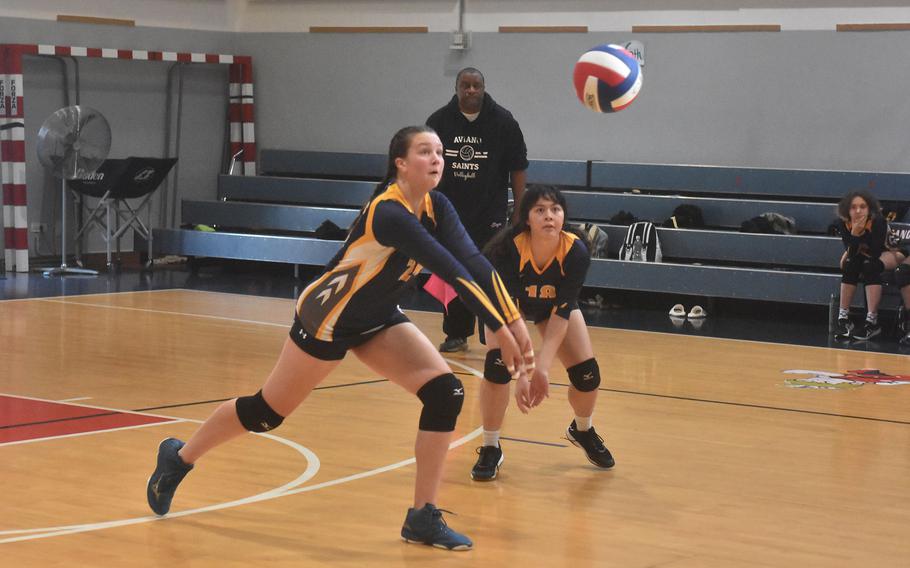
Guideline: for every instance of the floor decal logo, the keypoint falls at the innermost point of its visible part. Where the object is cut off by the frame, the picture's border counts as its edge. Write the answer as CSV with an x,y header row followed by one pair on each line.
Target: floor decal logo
x,y
845,380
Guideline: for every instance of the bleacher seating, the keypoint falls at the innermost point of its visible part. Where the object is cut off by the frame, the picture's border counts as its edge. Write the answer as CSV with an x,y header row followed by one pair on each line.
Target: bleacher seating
x,y
273,217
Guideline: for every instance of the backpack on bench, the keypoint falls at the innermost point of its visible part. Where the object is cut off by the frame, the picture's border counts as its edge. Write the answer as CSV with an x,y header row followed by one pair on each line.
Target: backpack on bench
x,y
641,243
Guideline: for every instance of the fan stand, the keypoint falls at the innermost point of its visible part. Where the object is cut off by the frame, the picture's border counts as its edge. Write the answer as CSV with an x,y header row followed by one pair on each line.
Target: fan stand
x,y
61,137
63,269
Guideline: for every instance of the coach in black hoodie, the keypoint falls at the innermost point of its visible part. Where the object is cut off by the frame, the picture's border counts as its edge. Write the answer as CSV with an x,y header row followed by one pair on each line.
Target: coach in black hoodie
x,y
484,151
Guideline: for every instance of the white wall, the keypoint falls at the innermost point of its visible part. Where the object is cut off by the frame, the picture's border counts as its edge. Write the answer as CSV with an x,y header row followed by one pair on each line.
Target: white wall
x,y
480,15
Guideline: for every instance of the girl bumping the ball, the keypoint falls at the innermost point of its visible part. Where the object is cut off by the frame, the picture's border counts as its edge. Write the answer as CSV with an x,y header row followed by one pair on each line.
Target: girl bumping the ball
x,y
544,264
353,305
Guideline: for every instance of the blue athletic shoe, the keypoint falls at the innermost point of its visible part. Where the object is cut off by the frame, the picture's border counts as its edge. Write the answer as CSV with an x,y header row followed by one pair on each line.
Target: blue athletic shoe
x,y
426,526
168,474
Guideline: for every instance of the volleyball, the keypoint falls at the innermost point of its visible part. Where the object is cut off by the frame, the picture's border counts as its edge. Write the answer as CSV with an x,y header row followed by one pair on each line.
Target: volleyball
x,y
607,78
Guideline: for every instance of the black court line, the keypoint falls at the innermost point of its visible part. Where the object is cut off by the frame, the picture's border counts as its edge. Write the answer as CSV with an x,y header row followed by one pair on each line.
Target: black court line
x,y
747,405
25,424
182,404
523,441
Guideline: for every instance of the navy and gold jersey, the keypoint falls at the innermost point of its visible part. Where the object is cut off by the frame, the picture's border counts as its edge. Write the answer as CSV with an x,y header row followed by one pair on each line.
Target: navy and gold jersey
x,y
387,246
552,288
870,243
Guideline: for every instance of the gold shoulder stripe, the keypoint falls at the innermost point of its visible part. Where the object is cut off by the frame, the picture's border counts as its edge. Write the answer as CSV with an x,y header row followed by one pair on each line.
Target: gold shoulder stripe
x,y
509,310
482,298
567,241
524,249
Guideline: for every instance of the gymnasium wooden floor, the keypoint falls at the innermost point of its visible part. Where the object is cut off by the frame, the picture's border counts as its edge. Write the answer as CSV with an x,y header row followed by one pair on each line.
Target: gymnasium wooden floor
x,y
721,459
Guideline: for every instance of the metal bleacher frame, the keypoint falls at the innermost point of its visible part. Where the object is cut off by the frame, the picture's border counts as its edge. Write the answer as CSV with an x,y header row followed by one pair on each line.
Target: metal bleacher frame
x,y
304,189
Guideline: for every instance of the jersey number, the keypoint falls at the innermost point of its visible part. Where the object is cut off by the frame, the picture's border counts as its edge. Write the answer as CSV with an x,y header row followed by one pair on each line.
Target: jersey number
x,y
546,291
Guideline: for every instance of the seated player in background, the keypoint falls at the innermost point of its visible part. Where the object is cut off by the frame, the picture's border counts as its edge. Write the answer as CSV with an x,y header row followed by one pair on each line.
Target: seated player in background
x,y
863,231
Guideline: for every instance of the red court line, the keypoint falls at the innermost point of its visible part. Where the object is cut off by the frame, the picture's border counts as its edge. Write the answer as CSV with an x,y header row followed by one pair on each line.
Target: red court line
x,y
29,419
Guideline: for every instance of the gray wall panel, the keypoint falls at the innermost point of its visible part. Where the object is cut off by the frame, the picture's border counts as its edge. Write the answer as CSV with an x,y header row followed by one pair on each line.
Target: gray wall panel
x,y
780,100
799,99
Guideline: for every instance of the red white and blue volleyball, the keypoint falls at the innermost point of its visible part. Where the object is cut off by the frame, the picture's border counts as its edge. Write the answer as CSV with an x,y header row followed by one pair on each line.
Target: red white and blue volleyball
x,y
607,78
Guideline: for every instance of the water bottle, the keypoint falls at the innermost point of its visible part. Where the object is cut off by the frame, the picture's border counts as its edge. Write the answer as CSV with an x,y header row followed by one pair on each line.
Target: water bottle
x,y
636,249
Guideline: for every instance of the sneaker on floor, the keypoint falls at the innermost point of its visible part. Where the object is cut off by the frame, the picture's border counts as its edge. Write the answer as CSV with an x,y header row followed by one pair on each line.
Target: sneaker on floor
x,y
868,331
843,329
592,444
488,462
426,526
168,474
453,345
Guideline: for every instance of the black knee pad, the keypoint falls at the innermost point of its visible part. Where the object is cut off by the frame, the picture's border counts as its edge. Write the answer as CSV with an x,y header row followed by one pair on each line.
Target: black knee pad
x,y
442,399
872,269
256,415
585,376
494,370
851,270
902,275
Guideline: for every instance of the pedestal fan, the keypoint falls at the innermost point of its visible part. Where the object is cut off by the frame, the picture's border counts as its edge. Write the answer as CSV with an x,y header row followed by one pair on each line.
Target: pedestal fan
x,y
72,143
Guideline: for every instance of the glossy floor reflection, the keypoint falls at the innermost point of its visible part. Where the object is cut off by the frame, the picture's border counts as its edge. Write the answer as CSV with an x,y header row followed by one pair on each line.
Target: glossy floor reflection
x,y
754,321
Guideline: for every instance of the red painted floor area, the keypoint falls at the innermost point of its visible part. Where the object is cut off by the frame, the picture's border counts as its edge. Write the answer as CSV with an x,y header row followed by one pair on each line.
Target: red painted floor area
x,y
29,419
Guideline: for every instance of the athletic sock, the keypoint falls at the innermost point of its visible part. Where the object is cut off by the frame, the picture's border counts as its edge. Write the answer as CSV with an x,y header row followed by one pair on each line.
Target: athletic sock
x,y
872,317
583,423
843,313
491,438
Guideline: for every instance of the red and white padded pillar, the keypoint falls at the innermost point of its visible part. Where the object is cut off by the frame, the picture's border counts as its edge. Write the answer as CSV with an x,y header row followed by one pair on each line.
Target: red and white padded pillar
x,y
12,166
241,116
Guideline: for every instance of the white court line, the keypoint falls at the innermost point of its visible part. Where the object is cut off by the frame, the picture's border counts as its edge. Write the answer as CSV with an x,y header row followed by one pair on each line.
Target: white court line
x,y
471,370
89,433
616,329
283,491
92,406
75,399
165,312
93,294
57,298
313,465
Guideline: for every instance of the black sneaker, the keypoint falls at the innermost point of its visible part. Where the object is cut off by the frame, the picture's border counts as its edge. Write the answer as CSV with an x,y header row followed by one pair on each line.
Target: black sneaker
x,y
905,340
868,331
168,474
592,444
843,329
453,345
426,526
488,462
